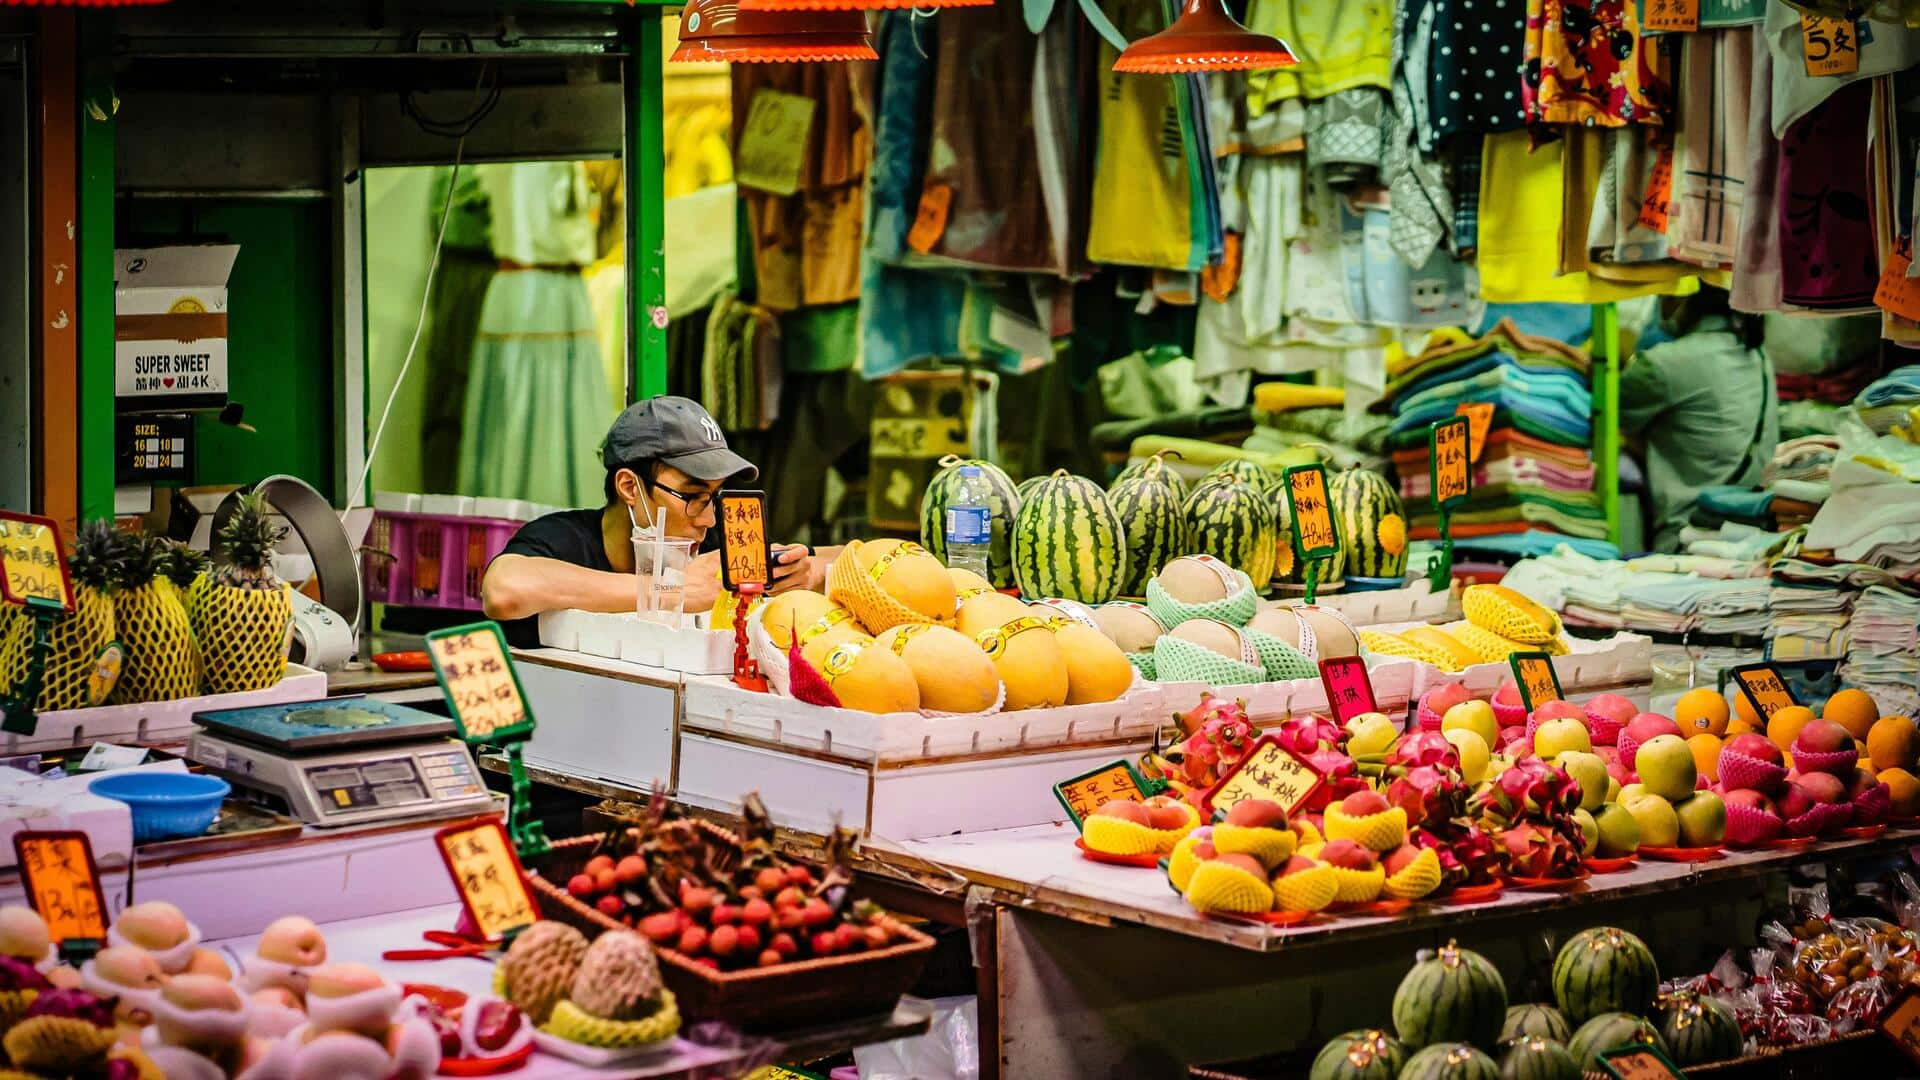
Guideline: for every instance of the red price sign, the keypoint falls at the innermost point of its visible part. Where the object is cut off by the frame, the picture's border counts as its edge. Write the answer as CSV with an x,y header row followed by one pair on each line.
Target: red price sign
x,y
1653,205
1349,688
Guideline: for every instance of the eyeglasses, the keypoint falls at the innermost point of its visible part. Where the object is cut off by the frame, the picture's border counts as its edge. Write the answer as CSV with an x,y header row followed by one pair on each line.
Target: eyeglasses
x,y
695,504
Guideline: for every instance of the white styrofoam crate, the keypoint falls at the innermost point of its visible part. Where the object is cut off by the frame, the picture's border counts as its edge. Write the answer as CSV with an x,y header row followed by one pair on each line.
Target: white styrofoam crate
x,y
155,721
1393,681
624,635
1414,602
716,705
601,719
1625,659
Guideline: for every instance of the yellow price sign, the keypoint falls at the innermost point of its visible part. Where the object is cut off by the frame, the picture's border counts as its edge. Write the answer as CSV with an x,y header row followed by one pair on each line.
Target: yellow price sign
x,y
1451,461
487,875
1314,535
1831,46
62,883
744,554
1479,416
482,689
1639,1063
1269,771
1088,792
32,569
1764,687
1538,682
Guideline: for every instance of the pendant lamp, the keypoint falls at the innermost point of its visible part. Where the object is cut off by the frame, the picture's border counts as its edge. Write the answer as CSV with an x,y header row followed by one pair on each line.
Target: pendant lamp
x,y
79,3
723,30
1204,38
856,5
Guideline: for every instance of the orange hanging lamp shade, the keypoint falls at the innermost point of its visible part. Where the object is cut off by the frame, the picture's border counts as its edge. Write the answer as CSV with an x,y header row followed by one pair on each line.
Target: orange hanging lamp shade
x,y
723,30
79,3
1204,38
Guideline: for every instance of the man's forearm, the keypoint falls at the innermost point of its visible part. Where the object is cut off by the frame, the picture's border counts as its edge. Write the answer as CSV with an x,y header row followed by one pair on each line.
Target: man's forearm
x,y
517,586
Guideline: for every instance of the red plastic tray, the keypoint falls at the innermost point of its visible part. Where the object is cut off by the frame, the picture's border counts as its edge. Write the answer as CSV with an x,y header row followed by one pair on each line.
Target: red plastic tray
x,y
1864,832
1149,861
1550,884
1683,854
1474,894
1608,866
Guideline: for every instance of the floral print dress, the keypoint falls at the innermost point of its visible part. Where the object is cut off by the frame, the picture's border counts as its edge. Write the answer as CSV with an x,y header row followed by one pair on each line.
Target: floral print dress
x,y
1586,63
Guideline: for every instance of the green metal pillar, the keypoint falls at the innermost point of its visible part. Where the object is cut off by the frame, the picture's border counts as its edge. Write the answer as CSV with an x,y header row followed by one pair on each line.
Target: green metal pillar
x,y
644,175
1606,430
95,272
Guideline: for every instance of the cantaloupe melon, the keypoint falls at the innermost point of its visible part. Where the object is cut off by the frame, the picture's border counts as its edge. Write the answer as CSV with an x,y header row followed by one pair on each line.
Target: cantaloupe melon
x,y
1195,579
965,580
790,611
953,673
906,572
1029,661
987,611
1331,635
871,679
844,632
1130,626
1221,638
1096,668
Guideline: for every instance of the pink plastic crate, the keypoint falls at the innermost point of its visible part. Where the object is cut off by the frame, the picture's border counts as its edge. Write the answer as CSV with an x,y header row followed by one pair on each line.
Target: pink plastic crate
x,y
431,560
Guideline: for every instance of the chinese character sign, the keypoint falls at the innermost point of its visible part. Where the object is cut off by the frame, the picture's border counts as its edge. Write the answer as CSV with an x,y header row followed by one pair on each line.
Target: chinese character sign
x,y
1314,536
1537,680
1681,15
487,876
1479,416
1451,462
743,539
31,569
62,883
1831,45
1084,794
481,687
1901,1023
1764,688
1349,689
1269,771
1639,1063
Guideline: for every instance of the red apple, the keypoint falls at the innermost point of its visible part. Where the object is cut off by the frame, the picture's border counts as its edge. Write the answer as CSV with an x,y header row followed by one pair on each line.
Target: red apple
x,y
1400,858
1446,696
1793,802
1295,865
1245,862
1755,746
1348,854
1508,694
1520,748
1648,726
1608,754
1861,783
1619,709
1621,774
611,906
1364,804
1126,810
580,886
1258,814
1751,800
1559,710
1164,812
1822,788
1821,736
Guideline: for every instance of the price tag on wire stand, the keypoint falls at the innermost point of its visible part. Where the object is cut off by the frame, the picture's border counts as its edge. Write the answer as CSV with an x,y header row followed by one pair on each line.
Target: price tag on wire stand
x,y
481,686
1450,461
745,557
1479,416
1765,689
32,570
1088,792
1640,1062
1539,684
1901,1023
1269,771
487,875
63,884
1314,533
1349,688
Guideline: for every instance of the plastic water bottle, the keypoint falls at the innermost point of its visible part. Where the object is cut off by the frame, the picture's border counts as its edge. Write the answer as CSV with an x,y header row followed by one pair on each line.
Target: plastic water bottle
x,y
970,522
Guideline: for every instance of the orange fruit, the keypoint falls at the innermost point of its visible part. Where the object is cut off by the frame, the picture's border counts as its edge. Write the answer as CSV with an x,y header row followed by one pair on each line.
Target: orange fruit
x,y
1905,789
1740,727
1854,710
1784,726
1706,754
1701,709
1894,743
1743,710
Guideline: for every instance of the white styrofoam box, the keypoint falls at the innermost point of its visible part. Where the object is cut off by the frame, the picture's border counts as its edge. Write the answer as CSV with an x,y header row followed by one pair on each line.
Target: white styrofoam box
x,y
624,635
1393,680
715,704
601,719
28,801
458,505
1414,602
396,502
503,509
1625,659
812,794
155,721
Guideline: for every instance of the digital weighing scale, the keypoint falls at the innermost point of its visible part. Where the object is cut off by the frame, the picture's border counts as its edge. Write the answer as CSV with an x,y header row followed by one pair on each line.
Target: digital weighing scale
x,y
342,761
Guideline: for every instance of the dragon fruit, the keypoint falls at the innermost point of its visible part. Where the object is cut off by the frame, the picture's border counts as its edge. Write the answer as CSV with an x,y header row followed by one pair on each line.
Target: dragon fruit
x,y
17,974
1467,854
1424,748
1426,792
1219,737
1306,735
1339,778
1538,851
1530,787
73,1005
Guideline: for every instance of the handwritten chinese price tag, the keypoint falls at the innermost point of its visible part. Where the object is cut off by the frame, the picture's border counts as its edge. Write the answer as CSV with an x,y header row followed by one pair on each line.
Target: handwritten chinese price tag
x,y
1679,15
1450,462
743,539
62,883
1314,535
1533,671
1765,689
1832,46
773,142
1901,1023
1640,1063
1088,792
488,877
1896,292
482,689
1479,416
1349,689
1269,771
1653,205
31,568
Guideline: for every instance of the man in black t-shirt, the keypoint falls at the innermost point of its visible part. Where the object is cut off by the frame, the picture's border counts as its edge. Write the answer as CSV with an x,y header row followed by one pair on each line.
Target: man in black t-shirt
x,y
667,457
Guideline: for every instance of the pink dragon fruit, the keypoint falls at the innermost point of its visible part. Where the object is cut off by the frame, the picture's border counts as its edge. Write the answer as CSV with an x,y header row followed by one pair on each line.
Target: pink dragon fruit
x,y
1339,778
1426,792
1307,734
1424,748
73,1005
1220,738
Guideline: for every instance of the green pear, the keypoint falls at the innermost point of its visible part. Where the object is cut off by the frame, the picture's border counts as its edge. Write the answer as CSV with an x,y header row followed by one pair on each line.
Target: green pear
x,y
1659,825
1703,820
1619,831
1370,733
1590,772
1589,832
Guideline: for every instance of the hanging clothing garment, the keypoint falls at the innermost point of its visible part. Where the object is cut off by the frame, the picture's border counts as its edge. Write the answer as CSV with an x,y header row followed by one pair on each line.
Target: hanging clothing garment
x,y
1617,246
1471,54
538,403
1341,44
1587,64
1710,146
1142,188
1421,204
1886,48
1828,257
806,246
1756,256
460,284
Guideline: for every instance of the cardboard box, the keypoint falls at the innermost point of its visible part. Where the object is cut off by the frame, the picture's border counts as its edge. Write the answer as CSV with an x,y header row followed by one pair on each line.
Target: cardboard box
x,y
170,327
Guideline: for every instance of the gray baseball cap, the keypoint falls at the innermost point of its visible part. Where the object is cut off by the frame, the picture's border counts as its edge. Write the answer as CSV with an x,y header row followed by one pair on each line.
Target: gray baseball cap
x,y
678,432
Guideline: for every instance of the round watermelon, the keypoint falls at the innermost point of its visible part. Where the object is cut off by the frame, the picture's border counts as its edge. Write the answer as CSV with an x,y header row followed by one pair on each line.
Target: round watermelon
x,y
945,487
1359,1055
1154,519
1247,472
1611,1031
1068,543
1450,1061
1232,521
1025,487
1372,523
1699,1030
1154,466
1544,1021
1603,970
1533,1057
1455,995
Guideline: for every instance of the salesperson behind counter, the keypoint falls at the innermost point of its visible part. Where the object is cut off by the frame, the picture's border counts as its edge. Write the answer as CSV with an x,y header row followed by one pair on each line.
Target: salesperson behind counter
x,y
665,453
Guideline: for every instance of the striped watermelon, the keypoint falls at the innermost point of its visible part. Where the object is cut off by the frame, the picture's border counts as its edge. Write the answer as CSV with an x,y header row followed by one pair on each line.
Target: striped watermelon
x,y
1359,1055
1372,523
1611,1031
1153,515
1542,1020
942,490
1247,472
1699,1030
1453,996
1025,487
1068,542
1157,465
1604,970
1534,1057
1450,1061
1233,521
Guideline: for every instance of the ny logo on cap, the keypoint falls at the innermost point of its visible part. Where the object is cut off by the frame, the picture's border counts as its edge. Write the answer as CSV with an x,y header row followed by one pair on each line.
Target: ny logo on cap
x,y
712,429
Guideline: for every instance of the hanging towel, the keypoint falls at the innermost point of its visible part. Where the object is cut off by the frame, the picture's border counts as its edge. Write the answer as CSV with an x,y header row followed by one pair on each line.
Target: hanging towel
x,y
1829,259
1710,148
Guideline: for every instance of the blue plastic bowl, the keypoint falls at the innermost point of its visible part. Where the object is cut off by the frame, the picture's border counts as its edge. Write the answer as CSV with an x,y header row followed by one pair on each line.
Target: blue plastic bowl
x,y
165,805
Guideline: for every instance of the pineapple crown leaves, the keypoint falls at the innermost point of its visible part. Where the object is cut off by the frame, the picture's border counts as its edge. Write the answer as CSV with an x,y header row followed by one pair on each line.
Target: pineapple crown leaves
x,y
250,536
140,560
182,564
100,556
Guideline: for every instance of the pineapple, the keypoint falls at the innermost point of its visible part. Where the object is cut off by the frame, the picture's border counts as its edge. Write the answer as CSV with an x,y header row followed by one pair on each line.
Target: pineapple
x,y
78,638
162,662
240,612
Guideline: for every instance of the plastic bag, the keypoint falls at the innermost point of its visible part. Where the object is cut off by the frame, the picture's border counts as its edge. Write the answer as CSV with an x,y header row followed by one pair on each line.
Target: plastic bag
x,y
948,1051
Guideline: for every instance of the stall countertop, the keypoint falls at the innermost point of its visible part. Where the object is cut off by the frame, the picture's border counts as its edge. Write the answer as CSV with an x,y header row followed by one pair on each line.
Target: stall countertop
x,y
599,665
